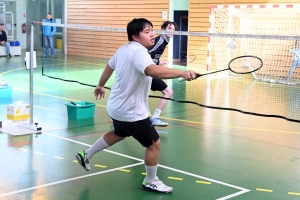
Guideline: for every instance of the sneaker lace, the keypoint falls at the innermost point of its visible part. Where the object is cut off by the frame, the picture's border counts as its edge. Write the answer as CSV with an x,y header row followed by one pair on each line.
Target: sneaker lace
x,y
159,182
86,160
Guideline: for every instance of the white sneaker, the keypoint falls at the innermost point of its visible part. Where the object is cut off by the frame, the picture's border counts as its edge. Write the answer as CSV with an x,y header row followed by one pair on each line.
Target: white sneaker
x,y
83,160
158,122
156,186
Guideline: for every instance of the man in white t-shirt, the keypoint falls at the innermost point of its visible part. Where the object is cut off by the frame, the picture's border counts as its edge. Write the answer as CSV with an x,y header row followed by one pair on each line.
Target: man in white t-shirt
x,y
128,102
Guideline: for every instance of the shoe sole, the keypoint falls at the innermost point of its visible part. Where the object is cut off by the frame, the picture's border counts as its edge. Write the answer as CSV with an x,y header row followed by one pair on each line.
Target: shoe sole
x,y
78,157
152,190
161,125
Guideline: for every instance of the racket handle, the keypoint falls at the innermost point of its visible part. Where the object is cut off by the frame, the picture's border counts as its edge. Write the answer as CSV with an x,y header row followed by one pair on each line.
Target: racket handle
x,y
181,79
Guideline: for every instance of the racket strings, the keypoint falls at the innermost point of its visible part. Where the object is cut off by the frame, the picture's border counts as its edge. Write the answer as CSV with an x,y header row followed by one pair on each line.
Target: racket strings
x,y
245,65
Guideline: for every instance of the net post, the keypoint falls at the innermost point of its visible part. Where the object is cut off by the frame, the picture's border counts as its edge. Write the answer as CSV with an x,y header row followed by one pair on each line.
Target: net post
x,y
31,72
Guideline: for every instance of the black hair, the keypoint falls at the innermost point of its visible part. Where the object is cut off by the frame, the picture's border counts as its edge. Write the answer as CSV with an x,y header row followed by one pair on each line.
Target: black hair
x,y
166,23
136,26
48,13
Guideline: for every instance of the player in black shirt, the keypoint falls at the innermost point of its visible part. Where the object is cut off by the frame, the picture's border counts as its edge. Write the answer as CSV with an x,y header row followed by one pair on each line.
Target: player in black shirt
x,y
156,52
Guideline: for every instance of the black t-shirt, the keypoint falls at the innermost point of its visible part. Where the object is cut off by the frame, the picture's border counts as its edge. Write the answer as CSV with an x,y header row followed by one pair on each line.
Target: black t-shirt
x,y
3,36
158,48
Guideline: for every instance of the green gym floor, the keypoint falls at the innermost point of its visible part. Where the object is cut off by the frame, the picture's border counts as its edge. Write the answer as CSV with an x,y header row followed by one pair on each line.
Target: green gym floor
x,y
205,154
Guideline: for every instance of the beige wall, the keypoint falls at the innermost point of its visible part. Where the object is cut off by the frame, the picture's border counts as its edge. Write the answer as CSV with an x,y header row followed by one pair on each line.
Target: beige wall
x,y
107,13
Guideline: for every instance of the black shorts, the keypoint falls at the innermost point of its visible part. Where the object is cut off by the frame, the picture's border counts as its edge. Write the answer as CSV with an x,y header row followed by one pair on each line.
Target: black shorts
x,y
143,131
158,84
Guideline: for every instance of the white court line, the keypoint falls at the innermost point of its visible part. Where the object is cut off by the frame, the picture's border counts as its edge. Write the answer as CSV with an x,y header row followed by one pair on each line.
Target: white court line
x,y
202,177
41,107
234,194
243,190
70,179
88,145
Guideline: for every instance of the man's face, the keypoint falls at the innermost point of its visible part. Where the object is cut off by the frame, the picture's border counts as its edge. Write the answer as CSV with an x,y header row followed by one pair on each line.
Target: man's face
x,y
170,27
146,37
48,16
1,28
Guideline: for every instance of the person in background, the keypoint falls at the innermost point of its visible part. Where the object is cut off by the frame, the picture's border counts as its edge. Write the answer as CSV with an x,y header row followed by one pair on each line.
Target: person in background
x,y
48,32
156,52
3,41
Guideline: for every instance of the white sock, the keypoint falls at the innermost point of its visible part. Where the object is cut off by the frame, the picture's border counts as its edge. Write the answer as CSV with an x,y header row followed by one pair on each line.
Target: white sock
x,y
156,114
99,145
151,173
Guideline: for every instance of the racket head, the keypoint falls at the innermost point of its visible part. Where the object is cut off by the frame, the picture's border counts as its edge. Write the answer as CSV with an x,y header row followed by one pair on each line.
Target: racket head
x,y
188,59
245,64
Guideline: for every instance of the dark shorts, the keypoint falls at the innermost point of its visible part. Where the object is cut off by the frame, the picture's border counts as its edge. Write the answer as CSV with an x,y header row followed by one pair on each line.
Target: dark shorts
x,y
143,131
158,85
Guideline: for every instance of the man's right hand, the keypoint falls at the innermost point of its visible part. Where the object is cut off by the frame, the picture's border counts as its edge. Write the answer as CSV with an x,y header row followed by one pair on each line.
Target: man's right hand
x,y
189,75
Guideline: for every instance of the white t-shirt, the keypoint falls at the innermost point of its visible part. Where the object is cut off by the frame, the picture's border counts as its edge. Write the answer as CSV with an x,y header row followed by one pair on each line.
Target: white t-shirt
x,y
128,100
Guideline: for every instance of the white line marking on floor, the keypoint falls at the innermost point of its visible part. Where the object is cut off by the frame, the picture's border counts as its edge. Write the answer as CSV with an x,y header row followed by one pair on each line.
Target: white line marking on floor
x,y
40,153
243,190
70,179
41,107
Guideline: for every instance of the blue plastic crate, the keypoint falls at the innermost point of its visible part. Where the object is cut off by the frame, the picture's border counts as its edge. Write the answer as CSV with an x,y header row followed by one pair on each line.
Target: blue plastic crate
x,y
82,110
5,94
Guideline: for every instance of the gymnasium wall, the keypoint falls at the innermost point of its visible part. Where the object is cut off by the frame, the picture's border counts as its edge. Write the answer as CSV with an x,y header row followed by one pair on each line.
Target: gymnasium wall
x,y
112,13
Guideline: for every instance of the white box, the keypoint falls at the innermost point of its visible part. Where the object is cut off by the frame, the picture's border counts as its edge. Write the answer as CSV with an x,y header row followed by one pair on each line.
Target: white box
x,y
18,111
15,50
27,60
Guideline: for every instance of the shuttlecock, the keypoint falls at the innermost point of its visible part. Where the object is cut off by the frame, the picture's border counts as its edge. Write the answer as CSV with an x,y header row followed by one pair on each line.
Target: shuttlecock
x,y
232,44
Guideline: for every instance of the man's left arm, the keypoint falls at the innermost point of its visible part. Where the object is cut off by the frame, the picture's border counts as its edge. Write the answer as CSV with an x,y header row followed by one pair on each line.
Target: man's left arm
x,y
54,28
5,36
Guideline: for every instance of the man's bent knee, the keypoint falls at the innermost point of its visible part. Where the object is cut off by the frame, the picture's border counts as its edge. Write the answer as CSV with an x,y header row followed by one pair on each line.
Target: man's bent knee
x,y
168,92
155,145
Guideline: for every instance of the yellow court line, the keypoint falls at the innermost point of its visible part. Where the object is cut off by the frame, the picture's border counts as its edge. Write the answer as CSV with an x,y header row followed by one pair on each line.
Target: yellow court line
x,y
263,190
203,182
79,62
58,97
57,157
22,149
175,178
294,193
173,119
237,127
101,166
75,161
23,68
144,173
124,170
10,71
